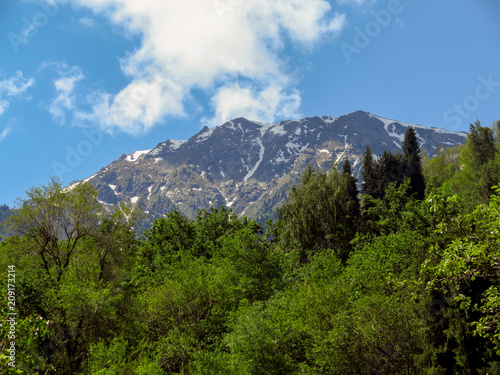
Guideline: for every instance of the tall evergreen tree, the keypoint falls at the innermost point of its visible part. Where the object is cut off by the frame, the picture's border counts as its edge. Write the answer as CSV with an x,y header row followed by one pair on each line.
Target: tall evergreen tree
x,y
413,163
389,170
352,188
368,172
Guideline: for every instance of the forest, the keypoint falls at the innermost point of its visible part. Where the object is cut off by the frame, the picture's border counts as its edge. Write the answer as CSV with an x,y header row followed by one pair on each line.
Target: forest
x,y
400,276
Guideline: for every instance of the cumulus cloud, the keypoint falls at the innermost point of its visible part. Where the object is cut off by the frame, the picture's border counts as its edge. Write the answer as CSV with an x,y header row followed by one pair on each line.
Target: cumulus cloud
x,y
224,47
65,84
10,88
233,101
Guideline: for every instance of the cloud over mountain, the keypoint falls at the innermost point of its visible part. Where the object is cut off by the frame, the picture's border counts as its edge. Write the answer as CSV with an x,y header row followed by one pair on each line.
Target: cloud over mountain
x,y
229,48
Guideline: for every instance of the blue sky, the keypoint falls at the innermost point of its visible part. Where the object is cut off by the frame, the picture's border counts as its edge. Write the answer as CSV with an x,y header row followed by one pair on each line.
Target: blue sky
x,y
84,81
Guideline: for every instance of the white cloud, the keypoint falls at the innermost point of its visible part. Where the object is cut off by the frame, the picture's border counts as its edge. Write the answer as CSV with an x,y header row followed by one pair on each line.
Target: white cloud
x,y
210,45
234,101
358,3
12,87
87,22
64,85
3,106
15,85
137,108
4,133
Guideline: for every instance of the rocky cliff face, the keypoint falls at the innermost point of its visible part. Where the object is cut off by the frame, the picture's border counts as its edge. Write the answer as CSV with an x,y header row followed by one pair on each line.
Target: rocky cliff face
x,y
249,166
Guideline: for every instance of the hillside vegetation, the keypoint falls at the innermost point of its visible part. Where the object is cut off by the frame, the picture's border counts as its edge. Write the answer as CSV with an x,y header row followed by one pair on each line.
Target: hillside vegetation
x,y
400,278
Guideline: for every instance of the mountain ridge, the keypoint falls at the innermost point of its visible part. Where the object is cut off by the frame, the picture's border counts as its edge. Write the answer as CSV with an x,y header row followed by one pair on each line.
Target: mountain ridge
x,y
249,165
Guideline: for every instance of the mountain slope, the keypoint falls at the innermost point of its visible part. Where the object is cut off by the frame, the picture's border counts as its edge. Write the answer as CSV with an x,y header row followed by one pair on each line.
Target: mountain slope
x,y
247,165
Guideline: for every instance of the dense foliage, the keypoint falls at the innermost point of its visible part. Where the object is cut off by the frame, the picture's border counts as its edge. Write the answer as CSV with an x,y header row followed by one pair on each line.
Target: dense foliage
x,y
401,279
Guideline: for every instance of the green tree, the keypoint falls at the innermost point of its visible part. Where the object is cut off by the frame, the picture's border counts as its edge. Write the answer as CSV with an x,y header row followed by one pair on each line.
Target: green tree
x,y
74,262
212,225
474,171
380,174
352,188
318,215
390,169
29,333
413,163
375,335
53,221
469,268
164,243
368,172
187,313
441,168
483,143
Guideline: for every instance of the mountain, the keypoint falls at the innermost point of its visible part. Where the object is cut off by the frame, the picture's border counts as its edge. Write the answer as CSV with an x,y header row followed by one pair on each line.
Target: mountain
x,y
249,166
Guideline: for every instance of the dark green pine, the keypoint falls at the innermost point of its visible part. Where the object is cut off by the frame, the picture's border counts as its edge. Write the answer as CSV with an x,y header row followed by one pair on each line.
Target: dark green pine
x,y
368,172
413,163
352,188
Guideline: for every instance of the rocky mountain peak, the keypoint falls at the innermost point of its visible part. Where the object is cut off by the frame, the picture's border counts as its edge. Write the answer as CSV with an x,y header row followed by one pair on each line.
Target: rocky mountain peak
x,y
249,165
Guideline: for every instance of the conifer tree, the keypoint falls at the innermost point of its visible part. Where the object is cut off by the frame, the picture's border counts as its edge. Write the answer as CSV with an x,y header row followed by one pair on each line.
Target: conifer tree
x,y
412,163
368,172
390,169
352,188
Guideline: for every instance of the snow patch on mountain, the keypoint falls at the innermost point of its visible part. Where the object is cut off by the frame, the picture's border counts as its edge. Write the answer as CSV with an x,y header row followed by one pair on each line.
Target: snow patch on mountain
x,y
339,157
173,144
444,131
90,178
133,157
261,157
278,129
67,189
205,135
280,158
437,130
176,144
328,120
346,145
295,148
264,128
390,127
